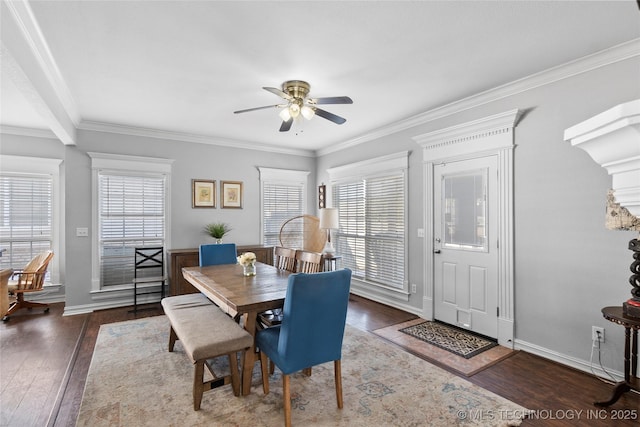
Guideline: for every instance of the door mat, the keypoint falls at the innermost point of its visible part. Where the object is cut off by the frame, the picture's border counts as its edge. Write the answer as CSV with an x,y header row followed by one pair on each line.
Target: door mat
x,y
456,340
443,358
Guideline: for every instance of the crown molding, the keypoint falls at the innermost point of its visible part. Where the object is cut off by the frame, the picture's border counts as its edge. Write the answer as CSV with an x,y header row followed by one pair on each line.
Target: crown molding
x,y
186,137
591,62
22,131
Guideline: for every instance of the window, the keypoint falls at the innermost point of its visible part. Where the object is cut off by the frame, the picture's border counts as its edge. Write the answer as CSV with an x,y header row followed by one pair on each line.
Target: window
x,y
131,211
283,197
28,211
371,201
131,215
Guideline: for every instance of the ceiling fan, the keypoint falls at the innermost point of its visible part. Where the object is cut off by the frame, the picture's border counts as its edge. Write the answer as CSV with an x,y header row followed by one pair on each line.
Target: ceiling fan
x,y
295,92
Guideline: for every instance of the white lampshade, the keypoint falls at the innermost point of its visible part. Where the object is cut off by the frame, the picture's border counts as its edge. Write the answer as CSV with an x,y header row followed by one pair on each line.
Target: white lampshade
x,y
307,112
284,114
329,218
329,221
294,110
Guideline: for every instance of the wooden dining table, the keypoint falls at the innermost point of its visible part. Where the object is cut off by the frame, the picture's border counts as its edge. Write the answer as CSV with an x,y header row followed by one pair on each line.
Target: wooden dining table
x,y
242,297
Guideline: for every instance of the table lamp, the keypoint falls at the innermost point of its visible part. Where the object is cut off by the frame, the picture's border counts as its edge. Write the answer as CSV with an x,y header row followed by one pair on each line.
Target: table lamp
x,y
329,221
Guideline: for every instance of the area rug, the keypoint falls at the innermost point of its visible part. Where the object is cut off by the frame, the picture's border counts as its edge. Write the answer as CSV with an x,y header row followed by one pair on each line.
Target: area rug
x,y
134,381
439,356
450,338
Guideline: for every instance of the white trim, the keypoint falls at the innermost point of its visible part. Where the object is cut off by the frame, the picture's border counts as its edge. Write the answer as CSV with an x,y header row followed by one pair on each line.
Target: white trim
x,y
43,87
397,161
487,134
552,75
106,161
285,175
32,132
23,15
573,362
492,135
48,166
187,137
365,293
124,163
611,139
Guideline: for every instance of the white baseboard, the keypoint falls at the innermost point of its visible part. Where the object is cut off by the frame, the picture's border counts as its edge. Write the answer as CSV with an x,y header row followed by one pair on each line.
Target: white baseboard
x,y
563,359
107,304
386,301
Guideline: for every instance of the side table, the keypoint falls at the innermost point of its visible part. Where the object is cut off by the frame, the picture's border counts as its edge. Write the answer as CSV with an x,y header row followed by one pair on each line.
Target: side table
x,y
330,262
631,327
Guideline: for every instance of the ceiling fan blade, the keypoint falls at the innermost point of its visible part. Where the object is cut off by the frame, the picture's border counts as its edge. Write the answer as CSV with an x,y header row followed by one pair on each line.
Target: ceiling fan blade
x,y
259,108
331,100
285,126
330,116
278,92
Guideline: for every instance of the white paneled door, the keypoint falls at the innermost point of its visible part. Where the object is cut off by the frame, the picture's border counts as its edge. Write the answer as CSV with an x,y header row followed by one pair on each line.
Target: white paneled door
x,y
465,244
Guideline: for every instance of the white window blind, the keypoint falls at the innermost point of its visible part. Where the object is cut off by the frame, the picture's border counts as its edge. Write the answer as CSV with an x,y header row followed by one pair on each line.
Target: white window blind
x,y
25,218
282,193
280,202
371,238
131,213
371,197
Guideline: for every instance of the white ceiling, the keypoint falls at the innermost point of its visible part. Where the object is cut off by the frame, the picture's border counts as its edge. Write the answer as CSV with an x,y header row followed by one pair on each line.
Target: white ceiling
x,y
183,67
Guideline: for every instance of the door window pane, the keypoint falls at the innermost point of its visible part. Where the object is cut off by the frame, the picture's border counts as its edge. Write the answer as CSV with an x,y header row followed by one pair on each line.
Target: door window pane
x,y
464,210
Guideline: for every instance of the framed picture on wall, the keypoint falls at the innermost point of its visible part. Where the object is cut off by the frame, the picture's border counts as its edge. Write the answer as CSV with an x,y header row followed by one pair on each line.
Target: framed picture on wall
x,y
203,193
231,194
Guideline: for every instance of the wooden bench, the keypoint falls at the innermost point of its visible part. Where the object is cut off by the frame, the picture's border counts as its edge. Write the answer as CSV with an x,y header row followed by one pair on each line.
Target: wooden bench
x,y
206,332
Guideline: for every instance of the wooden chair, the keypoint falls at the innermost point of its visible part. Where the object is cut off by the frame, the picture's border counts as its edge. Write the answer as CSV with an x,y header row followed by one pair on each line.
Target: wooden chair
x,y
29,279
312,330
285,259
308,262
4,290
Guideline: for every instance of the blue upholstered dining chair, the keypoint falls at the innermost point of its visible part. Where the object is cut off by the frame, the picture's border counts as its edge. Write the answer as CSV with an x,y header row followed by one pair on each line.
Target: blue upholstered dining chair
x,y
311,332
214,254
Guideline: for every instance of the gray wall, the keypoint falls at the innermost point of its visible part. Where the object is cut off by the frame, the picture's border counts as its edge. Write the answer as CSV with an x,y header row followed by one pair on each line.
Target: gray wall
x,y
192,160
567,265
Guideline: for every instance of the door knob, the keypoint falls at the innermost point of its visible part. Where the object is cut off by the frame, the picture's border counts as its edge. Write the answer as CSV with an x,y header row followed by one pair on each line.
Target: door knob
x,y
437,251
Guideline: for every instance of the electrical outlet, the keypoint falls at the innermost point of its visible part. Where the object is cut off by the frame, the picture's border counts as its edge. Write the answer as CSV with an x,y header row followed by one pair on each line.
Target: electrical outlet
x,y
413,288
597,334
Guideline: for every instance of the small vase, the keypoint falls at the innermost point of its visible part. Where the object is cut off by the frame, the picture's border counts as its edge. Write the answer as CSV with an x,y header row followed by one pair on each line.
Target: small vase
x,y
249,269
219,241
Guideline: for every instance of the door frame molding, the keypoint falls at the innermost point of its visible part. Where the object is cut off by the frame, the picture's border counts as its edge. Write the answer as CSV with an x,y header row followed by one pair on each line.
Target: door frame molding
x,y
489,136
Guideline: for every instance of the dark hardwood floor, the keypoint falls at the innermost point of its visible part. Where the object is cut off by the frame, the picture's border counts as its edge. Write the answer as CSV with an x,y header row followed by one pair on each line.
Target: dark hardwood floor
x,y
45,359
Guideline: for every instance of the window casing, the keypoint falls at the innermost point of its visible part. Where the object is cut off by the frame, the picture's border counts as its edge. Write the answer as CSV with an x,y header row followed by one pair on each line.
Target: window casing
x,y
131,214
29,212
282,197
131,209
371,198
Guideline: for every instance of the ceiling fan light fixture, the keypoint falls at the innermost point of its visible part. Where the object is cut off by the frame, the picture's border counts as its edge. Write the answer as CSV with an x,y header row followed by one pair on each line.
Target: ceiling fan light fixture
x,y
307,112
300,106
285,115
294,110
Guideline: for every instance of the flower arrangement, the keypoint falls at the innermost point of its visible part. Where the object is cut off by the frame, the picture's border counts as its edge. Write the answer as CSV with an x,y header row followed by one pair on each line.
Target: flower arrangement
x,y
247,258
248,262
